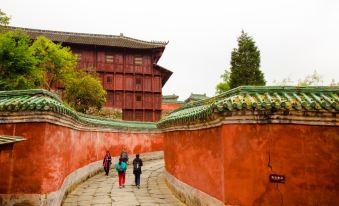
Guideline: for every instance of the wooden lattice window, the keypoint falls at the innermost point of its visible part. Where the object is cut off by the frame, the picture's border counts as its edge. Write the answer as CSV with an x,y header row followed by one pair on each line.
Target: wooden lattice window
x,y
137,60
109,79
109,58
138,81
138,98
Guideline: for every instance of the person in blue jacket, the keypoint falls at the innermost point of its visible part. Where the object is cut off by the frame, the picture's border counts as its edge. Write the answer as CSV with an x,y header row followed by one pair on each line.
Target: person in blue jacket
x,y
121,168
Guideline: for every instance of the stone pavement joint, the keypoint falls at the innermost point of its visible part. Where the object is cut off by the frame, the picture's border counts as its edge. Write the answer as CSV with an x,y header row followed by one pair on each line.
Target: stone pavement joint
x,y
104,190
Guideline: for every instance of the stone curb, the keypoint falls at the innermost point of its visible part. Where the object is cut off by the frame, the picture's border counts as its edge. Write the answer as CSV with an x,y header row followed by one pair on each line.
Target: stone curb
x,y
189,195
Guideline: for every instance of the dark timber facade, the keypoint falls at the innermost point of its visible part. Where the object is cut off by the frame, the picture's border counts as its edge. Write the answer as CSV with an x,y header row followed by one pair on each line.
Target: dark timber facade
x,y
127,68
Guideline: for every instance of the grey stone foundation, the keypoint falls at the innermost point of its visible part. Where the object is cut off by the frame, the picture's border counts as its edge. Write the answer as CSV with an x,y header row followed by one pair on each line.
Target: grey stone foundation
x,y
189,195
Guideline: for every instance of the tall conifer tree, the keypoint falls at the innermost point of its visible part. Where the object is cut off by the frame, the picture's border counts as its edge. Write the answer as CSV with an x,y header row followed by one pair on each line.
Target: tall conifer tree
x,y
245,63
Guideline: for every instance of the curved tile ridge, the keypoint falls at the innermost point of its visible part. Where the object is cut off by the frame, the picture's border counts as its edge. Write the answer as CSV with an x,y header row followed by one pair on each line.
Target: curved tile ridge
x,y
4,94
96,39
256,98
39,100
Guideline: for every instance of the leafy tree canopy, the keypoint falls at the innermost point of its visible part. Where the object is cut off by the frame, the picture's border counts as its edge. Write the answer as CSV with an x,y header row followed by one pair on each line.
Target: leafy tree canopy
x,y
17,64
245,63
84,91
41,64
4,19
225,84
57,62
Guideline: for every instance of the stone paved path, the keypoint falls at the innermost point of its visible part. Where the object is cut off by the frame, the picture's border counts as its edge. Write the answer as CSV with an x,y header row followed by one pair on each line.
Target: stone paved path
x,y
104,190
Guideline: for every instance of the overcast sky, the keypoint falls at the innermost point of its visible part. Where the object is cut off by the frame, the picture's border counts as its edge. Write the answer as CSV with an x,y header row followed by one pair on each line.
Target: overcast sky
x,y
295,37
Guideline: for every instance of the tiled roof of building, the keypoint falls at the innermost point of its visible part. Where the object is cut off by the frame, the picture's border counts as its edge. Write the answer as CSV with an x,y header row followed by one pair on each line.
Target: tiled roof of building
x,y
196,97
44,101
93,39
172,96
259,98
166,74
7,139
171,99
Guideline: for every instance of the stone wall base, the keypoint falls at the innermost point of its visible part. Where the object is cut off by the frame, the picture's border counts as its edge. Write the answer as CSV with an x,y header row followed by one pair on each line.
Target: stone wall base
x,y
189,195
71,181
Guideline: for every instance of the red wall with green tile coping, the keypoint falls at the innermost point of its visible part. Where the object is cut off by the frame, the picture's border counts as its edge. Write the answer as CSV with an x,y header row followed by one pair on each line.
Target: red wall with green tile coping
x,y
230,163
40,164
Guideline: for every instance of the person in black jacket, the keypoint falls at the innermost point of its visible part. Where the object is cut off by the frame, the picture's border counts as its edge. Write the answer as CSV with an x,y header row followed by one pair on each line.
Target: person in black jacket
x,y
137,164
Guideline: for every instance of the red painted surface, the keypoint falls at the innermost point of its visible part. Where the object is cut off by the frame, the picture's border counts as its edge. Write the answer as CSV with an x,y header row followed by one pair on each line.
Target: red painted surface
x,y
307,156
50,153
170,107
195,157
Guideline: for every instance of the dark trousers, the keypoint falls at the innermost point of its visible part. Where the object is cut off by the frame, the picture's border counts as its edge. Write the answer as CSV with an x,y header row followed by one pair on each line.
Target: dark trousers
x,y
106,170
137,179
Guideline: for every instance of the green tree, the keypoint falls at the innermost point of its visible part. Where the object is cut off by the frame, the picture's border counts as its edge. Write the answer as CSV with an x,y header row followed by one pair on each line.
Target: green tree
x,y
84,91
4,19
225,84
245,63
17,64
57,62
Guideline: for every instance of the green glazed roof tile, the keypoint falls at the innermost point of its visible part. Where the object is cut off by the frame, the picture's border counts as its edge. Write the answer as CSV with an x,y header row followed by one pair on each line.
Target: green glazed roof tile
x,y
258,98
171,99
42,100
195,97
171,96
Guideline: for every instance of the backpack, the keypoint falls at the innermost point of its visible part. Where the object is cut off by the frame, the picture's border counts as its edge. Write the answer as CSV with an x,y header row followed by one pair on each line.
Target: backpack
x,y
137,165
121,169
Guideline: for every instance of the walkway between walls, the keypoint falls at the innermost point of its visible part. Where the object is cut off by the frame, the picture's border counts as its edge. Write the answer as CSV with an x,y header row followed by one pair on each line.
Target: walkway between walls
x,y
104,190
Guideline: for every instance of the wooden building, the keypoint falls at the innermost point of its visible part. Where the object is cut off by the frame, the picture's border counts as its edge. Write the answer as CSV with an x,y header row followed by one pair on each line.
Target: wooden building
x,y
126,66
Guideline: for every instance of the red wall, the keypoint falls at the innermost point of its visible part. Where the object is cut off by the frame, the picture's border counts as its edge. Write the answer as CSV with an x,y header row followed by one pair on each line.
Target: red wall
x,y
195,157
307,156
170,107
50,153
